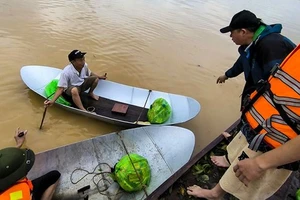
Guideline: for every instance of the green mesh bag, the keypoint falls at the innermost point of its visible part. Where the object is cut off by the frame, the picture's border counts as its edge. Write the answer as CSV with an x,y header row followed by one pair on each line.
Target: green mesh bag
x,y
51,88
159,112
127,177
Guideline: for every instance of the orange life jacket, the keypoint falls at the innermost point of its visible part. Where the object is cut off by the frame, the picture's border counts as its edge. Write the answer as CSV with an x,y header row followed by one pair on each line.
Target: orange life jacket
x,y
20,191
273,110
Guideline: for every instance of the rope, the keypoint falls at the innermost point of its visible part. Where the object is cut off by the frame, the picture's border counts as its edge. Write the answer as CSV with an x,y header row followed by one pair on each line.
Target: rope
x,y
90,109
106,172
95,175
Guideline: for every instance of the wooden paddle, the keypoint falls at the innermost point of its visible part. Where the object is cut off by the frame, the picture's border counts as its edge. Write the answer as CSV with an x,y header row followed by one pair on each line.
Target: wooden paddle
x,y
44,114
137,121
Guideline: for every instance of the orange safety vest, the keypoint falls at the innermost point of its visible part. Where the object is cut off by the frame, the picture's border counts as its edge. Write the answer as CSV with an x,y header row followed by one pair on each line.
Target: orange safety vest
x,y
273,110
20,191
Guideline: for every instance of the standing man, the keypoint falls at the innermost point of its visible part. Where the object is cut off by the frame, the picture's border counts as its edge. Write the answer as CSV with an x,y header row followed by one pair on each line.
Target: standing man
x,y
261,48
76,78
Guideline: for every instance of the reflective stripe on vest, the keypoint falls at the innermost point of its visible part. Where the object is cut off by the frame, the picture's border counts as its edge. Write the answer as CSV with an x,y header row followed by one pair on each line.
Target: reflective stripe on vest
x,y
276,112
20,191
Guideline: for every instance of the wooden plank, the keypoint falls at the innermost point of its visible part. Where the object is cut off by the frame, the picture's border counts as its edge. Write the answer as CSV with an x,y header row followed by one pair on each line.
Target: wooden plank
x,y
120,108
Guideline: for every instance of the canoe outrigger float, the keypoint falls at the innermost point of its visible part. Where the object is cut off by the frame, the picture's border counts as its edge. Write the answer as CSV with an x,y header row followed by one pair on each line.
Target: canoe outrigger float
x,y
201,171
118,104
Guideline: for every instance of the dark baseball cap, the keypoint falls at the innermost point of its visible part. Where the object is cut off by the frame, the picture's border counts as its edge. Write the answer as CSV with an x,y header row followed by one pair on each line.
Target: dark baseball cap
x,y
15,164
76,54
242,19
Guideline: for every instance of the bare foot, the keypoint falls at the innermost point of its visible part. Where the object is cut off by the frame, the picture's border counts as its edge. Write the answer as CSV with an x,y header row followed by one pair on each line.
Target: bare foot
x,y
199,192
220,161
226,135
94,96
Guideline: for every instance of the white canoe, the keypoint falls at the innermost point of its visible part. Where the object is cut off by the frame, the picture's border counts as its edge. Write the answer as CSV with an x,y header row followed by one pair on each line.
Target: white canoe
x,y
183,108
167,149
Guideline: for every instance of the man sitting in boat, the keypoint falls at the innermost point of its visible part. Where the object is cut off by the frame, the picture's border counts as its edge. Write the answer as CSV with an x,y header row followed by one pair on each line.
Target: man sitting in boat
x,y
76,78
15,163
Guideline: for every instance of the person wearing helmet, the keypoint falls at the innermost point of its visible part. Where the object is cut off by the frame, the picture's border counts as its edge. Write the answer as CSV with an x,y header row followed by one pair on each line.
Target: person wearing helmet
x,y
15,163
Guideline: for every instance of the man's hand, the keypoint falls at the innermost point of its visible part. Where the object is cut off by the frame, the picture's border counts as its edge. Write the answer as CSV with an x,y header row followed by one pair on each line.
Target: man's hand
x,y
222,79
20,137
48,103
103,77
248,170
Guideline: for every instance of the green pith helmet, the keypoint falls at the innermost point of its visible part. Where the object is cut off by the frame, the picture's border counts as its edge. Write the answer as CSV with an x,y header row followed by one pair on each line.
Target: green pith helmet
x,y
15,163
126,175
159,112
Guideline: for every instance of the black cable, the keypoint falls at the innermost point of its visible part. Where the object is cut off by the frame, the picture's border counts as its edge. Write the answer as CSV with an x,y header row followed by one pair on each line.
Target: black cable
x,y
95,175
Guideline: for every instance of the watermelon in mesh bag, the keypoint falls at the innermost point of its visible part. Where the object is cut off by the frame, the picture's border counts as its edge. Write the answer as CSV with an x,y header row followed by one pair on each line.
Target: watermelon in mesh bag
x,y
159,112
126,175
